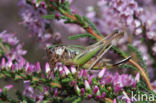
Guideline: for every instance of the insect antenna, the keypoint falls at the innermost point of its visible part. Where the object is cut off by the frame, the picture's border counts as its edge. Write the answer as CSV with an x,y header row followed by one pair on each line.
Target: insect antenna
x,y
122,61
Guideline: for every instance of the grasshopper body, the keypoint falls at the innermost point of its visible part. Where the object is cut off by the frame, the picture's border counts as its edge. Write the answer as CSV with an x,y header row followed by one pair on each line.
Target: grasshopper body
x,y
89,58
68,56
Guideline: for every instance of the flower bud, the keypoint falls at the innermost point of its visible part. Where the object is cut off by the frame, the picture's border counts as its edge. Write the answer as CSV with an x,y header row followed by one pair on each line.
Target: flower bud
x,y
3,63
103,95
137,78
77,90
73,69
66,70
96,88
1,90
89,96
87,86
55,92
47,68
101,73
114,101
82,91
12,67
38,67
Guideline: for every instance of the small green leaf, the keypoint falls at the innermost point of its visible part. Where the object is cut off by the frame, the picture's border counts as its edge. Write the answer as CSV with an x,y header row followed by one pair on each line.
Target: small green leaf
x,y
117,50
67,80
48,16
80,19
80,36
128,66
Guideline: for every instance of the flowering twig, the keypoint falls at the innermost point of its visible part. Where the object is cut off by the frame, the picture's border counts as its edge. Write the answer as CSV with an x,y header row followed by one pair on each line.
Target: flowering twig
x,y
91,31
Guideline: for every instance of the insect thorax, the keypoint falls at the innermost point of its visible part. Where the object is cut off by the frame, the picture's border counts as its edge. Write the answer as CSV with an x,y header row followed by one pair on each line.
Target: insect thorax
x,y
60,54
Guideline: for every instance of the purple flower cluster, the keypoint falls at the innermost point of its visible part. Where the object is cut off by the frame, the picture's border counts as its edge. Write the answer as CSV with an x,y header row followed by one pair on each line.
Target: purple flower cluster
x,y
104,79
32,18
30,92
63,81
15,53
8,38
20,65
116,14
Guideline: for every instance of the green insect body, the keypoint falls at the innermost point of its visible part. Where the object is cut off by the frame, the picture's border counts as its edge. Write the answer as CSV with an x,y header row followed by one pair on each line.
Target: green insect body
x,y
83,58
88,58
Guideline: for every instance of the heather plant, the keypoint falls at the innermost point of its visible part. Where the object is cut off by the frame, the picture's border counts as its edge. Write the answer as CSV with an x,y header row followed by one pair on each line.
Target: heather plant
x,y
126,81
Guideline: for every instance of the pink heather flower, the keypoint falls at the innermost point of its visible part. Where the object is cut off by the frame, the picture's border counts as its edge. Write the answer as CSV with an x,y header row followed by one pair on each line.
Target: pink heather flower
x,y
55,92
98,93
39,98
80,73
12,67
127,80
66,70
103,95
117,88
95,90
57,66
62,73
21,63
134,84
32,18
47,68
73,69
98,97
57,16
101,73
90,80
77,89
1,90
87,86
38,67
9,63
108,78
45,90
26,66
28,91
8,87
85,74
89,96
114,101
29,69
82,91
16,53
8,38
72,83
42,3
60,68
3,64
137,78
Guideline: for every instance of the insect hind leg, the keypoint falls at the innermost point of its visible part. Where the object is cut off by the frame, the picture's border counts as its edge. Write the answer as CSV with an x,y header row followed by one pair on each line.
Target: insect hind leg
x,y
105,51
